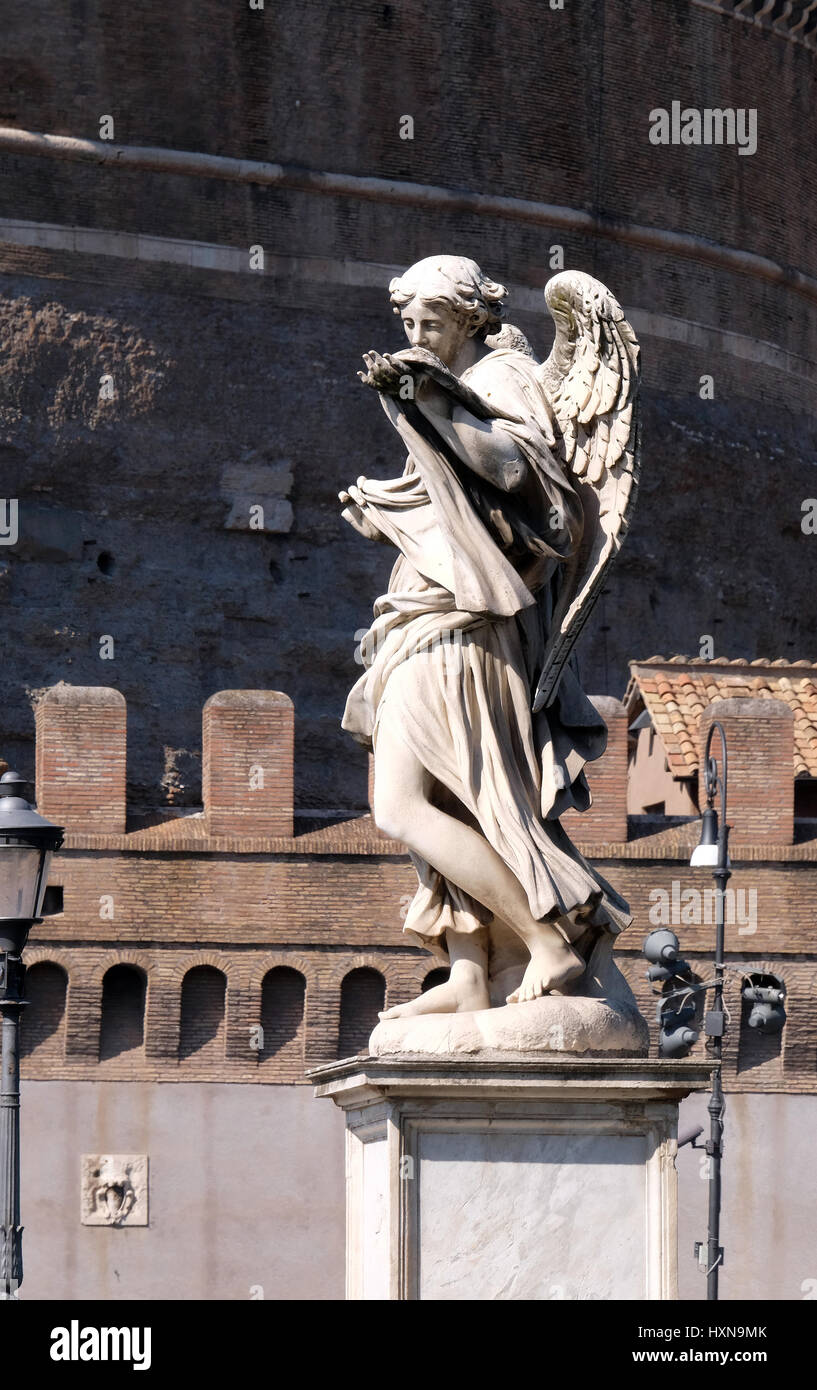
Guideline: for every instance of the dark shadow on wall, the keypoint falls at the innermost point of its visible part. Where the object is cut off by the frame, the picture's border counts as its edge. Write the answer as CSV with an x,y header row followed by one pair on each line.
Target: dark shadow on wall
x,y
362,996
43,1022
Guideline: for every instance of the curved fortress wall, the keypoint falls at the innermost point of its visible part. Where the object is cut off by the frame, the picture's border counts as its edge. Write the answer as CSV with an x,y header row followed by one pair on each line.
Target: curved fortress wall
x,y
158,382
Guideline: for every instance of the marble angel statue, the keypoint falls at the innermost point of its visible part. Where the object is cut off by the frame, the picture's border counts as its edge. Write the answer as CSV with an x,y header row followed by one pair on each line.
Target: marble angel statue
x,y
516,491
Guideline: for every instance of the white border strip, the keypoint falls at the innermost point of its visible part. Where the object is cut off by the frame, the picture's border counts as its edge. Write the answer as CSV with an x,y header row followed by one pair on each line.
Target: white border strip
x,y
200,255
404,193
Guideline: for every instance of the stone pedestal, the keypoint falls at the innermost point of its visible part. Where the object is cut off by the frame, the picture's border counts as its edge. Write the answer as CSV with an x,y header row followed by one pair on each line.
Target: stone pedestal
x,y
510,1179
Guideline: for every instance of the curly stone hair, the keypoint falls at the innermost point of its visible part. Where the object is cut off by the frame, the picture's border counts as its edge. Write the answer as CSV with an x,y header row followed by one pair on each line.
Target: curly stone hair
x,y
459,284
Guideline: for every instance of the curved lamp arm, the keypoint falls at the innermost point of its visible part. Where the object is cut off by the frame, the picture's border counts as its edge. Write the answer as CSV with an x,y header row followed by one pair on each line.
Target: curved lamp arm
x,y
713,780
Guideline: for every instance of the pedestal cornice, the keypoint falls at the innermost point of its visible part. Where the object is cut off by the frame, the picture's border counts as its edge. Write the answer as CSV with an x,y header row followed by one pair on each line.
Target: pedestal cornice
x,y
363,1080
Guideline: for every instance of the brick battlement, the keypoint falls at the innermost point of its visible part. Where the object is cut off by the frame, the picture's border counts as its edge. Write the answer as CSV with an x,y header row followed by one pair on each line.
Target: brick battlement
x,y
172,943
248,780
81,757
247,773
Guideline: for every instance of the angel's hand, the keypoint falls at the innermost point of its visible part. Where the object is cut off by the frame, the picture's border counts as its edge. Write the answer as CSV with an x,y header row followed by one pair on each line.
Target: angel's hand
x,y
353,513
380,374
352,493
420,359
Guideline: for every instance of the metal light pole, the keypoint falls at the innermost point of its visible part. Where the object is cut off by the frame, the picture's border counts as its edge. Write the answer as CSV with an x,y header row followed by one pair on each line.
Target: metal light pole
x,y
27,842
11,1232
713,851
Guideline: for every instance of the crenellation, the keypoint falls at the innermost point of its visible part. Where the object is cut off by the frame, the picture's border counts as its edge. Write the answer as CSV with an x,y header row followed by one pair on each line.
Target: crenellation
x,y
81,764
247,762
245,904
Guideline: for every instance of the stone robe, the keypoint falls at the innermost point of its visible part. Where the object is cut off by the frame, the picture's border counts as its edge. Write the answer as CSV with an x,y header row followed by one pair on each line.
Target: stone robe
x,y
456,649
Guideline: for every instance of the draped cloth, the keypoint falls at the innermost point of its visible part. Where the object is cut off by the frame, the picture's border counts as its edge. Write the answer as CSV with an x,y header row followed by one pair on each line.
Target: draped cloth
x,y
456,649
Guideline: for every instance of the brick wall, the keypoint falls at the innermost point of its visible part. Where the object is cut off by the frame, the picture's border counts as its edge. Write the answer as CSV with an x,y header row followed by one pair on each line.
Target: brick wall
x,y
81,757
247,762
281,1050
202,1030
134,539
122,1025
43,1020
202,1018
342,1001
760,742
606,819
301,935
362,996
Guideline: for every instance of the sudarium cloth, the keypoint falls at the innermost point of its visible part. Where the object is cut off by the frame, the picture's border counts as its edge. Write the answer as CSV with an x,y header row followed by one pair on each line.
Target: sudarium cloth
x,y
456,649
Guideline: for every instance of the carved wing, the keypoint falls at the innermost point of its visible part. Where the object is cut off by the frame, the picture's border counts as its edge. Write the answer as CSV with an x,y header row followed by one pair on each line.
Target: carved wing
x,y
591,379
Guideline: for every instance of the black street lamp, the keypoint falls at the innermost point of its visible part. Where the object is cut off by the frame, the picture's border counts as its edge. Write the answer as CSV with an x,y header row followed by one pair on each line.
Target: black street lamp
x,y
713,852
27,842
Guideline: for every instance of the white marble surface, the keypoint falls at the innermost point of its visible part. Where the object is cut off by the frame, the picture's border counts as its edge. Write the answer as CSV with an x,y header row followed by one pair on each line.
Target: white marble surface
x,y
553,1024
114,1190
509,1215
482,728
533,1179
375,1220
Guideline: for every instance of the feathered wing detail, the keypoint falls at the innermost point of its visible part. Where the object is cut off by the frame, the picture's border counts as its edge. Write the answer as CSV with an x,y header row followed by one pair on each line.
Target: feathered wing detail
x,y
591,379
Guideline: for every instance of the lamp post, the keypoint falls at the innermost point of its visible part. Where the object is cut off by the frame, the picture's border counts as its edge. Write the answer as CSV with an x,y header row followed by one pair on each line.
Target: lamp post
x,y
713,852
27,842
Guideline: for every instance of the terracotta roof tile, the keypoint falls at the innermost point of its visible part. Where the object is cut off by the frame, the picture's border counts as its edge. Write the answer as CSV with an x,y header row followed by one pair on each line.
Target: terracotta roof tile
x,y
675,700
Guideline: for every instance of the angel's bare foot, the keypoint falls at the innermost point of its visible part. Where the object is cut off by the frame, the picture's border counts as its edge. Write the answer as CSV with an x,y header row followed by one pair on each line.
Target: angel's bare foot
x,y
466,989
552,966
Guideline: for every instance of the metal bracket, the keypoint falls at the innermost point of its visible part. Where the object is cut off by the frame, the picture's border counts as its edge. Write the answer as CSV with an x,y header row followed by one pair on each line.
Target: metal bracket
x,y
702,1256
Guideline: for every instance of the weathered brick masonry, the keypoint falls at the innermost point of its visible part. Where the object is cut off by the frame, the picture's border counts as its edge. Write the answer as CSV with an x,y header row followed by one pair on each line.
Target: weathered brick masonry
x,y
233,386
301,933
236,386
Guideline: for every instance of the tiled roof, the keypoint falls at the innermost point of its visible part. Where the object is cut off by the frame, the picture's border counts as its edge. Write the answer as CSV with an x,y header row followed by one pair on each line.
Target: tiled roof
x,y
676,690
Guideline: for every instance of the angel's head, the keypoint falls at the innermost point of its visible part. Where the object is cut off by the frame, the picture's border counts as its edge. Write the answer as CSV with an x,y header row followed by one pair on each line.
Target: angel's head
x,y
443,301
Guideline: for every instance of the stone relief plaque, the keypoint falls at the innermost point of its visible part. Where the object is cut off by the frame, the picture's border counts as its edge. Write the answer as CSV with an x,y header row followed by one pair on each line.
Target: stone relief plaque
x,y
114,1190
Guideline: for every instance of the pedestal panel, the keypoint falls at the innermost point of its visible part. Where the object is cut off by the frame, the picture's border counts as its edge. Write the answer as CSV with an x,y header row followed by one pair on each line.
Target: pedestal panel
x,y
495,1181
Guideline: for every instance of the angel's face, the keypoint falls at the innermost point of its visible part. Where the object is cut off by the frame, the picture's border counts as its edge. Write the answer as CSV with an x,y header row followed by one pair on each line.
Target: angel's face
x,y
435,326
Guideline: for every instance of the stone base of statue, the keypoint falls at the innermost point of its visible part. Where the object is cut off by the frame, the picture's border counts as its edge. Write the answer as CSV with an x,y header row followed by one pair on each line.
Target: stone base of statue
x,y
541,1027
596,1015
515,1178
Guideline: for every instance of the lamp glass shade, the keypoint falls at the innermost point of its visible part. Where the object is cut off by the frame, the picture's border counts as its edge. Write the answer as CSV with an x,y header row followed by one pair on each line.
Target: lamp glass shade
x,y
45,867
706,852
22,880
704,857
